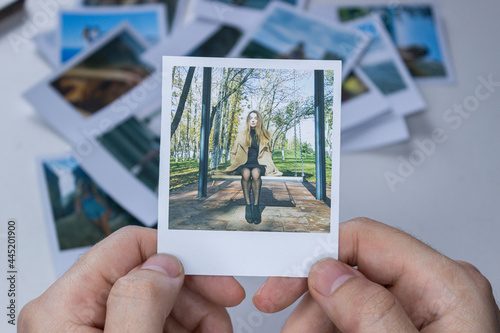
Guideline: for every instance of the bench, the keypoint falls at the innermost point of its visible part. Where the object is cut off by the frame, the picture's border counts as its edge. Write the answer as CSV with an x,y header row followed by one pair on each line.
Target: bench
x,y
297,179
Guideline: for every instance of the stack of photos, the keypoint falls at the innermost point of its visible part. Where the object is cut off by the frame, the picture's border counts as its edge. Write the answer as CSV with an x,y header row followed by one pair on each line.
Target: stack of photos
x,y
105,98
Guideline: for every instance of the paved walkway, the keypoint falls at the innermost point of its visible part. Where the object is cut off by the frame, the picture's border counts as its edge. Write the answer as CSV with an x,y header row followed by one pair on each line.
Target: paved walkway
x,y
287,207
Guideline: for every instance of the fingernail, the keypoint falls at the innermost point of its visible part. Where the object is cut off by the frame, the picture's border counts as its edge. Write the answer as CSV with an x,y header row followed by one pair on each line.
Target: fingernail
x,y
164,263
260,288
329,274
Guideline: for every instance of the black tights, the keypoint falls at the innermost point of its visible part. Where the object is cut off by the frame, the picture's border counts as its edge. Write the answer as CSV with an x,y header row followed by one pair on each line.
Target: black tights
x,y
251,180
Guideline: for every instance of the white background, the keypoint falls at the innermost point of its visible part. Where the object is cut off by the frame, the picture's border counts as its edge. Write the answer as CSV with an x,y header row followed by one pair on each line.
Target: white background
x,y
451,201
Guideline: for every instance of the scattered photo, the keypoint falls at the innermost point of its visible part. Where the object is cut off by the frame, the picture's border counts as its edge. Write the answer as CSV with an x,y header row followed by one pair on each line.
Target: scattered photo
x,y
90,88
124,160
242,13
383,65
362,101
104,76
417,31
289,34
78,212
250,165
80,27
135,143
175,10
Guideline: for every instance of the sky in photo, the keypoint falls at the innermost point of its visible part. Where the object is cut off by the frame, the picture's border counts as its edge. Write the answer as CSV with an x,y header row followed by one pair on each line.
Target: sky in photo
x,y
283,30
72,26
417,30
63,168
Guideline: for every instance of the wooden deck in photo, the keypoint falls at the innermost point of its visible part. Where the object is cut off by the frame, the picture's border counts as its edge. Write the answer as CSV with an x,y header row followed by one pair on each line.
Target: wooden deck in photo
x,y
287,207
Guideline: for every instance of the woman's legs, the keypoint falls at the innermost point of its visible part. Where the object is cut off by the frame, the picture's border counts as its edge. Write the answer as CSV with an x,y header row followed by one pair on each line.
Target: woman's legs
x,y
256,186
245,186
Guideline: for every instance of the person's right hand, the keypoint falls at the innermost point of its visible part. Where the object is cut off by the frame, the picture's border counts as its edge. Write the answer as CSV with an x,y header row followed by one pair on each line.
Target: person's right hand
x,y
401,285
122,285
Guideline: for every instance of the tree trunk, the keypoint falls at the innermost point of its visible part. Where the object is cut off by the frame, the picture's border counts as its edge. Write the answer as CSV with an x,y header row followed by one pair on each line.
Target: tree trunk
x,y
182,101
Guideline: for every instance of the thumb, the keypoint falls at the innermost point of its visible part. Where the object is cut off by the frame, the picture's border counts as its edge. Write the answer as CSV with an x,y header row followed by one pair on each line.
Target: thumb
x,y
141,300
354,303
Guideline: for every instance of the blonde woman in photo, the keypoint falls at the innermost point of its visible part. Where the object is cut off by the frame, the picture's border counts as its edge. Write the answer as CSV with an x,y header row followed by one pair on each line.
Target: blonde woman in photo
x,y
251,157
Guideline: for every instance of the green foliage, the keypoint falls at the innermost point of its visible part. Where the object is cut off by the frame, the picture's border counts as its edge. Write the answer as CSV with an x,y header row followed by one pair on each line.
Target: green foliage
x,y
184,173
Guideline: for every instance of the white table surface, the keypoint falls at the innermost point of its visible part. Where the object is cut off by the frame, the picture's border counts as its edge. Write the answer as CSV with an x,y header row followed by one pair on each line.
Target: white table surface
x,y
451,201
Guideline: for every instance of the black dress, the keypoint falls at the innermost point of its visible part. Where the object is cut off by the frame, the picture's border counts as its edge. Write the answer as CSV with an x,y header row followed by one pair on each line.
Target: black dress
x,y
253,156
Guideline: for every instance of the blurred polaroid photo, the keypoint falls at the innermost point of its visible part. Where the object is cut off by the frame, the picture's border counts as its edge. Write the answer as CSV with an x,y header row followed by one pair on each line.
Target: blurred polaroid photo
x,y
78,212
286,33
175,10
80,27
242,13
197,38
382,63
362,101
124,161
417,31
249,162
96,88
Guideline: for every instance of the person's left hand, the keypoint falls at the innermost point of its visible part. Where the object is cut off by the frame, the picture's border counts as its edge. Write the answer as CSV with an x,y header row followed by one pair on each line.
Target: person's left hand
x,y
121,284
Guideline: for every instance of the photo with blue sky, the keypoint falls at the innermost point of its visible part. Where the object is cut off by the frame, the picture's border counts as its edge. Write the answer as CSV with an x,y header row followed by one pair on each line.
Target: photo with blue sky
x,y
414,32
285,30
73,25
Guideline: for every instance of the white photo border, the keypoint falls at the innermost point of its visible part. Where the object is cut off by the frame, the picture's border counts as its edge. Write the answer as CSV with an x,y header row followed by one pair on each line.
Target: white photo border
x,y
244,253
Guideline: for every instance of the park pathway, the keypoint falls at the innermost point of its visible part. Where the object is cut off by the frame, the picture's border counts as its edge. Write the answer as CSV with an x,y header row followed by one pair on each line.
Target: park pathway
x,y
287,207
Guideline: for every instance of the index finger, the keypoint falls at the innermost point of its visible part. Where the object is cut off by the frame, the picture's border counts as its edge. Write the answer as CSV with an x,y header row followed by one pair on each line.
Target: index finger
x,y
83,290
382,253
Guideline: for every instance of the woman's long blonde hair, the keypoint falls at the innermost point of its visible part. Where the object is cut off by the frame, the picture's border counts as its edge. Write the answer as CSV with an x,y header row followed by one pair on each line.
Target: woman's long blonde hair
x,y
263,135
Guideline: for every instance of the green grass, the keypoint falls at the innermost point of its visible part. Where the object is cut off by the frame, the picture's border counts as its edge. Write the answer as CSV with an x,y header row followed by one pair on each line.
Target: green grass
x,y
184,173
288,166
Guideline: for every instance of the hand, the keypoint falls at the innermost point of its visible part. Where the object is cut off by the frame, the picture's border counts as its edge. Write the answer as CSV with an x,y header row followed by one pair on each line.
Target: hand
x,y
401,285
121,284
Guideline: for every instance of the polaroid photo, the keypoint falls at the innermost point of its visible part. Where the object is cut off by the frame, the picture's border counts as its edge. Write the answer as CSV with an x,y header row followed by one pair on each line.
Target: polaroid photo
x,y
361,100
418,33
46,44
198,38
382,63
96,88
81,27
175,10
124,161
382,131
241,13
290,113
77,211
286,33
